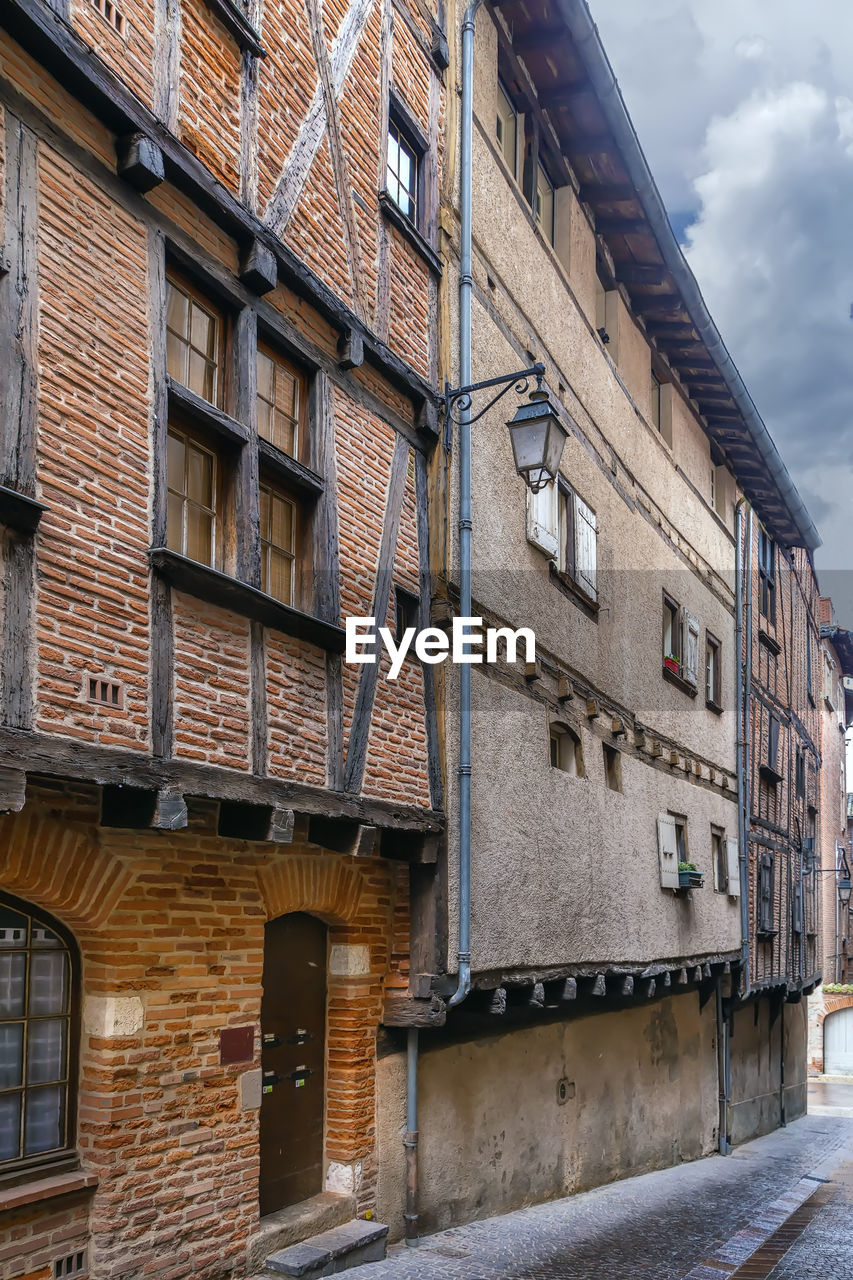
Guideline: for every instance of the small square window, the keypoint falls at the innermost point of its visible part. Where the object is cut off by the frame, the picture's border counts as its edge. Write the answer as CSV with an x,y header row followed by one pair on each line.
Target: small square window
x,y
408,609
671,635
566,751
612,767
720,860
713,672
401,178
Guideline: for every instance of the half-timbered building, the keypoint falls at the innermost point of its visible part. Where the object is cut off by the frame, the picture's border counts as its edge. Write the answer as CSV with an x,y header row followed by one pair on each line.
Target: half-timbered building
x,y
218,343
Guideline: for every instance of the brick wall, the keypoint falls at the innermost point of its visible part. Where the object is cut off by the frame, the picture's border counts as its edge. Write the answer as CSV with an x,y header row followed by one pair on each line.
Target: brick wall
x,y
159,1120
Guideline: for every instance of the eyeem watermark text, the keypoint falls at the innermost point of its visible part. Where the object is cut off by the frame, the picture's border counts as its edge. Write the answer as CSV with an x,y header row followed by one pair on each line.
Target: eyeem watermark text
x,y
364,641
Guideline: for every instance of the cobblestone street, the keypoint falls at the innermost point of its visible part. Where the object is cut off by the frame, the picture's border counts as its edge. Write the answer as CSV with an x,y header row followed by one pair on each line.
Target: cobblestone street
x,y
780,1207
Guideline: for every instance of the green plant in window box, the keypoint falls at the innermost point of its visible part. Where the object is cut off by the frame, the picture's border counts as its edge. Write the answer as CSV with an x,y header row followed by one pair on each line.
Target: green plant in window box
x,y
670,661
689,877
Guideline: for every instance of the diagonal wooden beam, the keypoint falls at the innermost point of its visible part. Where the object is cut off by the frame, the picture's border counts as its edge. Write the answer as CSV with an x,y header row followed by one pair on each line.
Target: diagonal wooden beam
x,y
313,128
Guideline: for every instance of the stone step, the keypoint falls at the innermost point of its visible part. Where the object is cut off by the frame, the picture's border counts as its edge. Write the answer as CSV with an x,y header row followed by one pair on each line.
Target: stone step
x,y
330,1252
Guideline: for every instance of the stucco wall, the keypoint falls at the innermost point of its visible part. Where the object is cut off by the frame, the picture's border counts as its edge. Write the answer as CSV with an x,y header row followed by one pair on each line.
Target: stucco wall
x,y
493,1135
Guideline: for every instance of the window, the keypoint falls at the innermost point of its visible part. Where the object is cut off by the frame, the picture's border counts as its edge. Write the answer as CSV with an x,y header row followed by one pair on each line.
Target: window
x,y
672,848
800,775
566,751
192,504
408,613
506,130
765,914
278,544
713,487
194,341
671,635
769,768
655,400
612,767
401,178
282,402
37,969
766,577
713,672
809,687
545,204
577,548
720,860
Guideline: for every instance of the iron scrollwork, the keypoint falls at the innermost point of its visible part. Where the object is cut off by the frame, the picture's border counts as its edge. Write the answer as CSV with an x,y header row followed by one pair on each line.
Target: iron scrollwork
x,y
461,399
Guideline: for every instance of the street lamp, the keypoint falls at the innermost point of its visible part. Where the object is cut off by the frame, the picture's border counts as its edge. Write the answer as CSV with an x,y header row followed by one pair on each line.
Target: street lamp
x,y
535,430
845,887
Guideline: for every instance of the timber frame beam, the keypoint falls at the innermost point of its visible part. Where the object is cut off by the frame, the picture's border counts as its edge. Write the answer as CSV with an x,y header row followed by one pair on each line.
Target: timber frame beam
x,y
32,752
79,70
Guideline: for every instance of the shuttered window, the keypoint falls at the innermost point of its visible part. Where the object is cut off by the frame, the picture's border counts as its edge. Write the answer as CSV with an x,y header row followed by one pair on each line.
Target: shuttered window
x,y
562,525
690,668
766,577
765,894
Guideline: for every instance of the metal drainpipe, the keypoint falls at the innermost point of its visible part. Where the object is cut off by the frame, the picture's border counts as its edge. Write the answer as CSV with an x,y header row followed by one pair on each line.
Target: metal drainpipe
x,y
743,677
410,1217
723,1070
466,281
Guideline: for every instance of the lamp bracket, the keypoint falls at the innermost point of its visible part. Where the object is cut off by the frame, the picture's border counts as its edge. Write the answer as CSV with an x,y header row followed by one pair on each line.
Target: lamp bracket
x,y
461,398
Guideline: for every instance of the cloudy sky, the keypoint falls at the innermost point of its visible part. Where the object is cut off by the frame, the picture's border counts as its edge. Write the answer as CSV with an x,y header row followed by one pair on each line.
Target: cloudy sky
x,y
745,111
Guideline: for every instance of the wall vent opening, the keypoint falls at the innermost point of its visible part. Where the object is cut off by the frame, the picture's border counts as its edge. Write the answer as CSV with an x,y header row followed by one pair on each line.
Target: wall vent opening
x,y
72,1265
110,13
106,693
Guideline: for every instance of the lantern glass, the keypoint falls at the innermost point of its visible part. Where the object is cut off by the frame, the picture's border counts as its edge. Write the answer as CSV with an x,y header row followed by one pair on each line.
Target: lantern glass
x,y
844,890
538,438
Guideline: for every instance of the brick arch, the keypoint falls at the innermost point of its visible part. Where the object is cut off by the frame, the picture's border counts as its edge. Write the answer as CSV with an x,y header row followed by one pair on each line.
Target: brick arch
x,y
831,1004
61,869
326,886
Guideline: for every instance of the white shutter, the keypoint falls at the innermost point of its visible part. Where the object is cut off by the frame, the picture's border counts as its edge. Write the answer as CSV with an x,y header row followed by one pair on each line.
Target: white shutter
x,y
690,646
668,851
542,519
586,536
733,867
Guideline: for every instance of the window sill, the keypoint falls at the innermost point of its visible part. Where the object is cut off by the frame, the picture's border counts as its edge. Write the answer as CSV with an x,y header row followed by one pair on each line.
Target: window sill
x,y
279,464
563,582
204,414
679,682
770,775
59,1184
410,232
769,642
713,706
232,17
19,512
766,935
217,588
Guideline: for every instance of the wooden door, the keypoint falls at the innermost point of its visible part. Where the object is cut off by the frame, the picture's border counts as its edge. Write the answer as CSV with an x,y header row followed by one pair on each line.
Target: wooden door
x,y
838,1043
293,1037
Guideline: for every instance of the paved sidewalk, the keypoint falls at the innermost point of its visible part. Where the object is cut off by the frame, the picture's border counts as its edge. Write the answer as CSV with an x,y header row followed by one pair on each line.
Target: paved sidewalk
x,y
709,1220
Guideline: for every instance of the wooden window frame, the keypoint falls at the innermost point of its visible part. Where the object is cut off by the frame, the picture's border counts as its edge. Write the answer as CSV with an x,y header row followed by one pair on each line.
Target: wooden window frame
x,y
398,130
567,569
765,914
714,699
766,577
612,758
281,492
516,114
559,734
672,613
542,175
177,427
407,609
719,859
656,386
184,283
302,452
29,1168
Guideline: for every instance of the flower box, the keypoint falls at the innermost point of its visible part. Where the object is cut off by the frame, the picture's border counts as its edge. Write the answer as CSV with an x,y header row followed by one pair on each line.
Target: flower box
x,y
690,880
672,664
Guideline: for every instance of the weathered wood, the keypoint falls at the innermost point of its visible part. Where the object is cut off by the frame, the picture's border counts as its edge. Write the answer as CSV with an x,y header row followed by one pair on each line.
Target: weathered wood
x,y
647,987
592,708
170,811
19,512
570,989
618,727
259,726
706,971
533,671
666,978
603,192
18,310
13,790
424,923
139,161
696,975
565,692
350,349
217,588
497,1002
258,268
636,273
233,17
627,986
206,414
599,986
47,754
293,472
281,825
167,61
383,257
360,731
334,722
682,978
244,398
536,996
249,129
403,1011
162,633
366,843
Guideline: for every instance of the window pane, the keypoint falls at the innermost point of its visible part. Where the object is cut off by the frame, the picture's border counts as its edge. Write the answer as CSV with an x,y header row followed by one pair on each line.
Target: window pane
x,y
202,376
43,1120
176,357
174,523
199,535
13,972
200,476
203,333
265,513
282,524
48,985
265,376
41,936
10,1126
175,462
283,433
13,928
11,1054
286,391
46,1051
264,418
177,310
280,576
